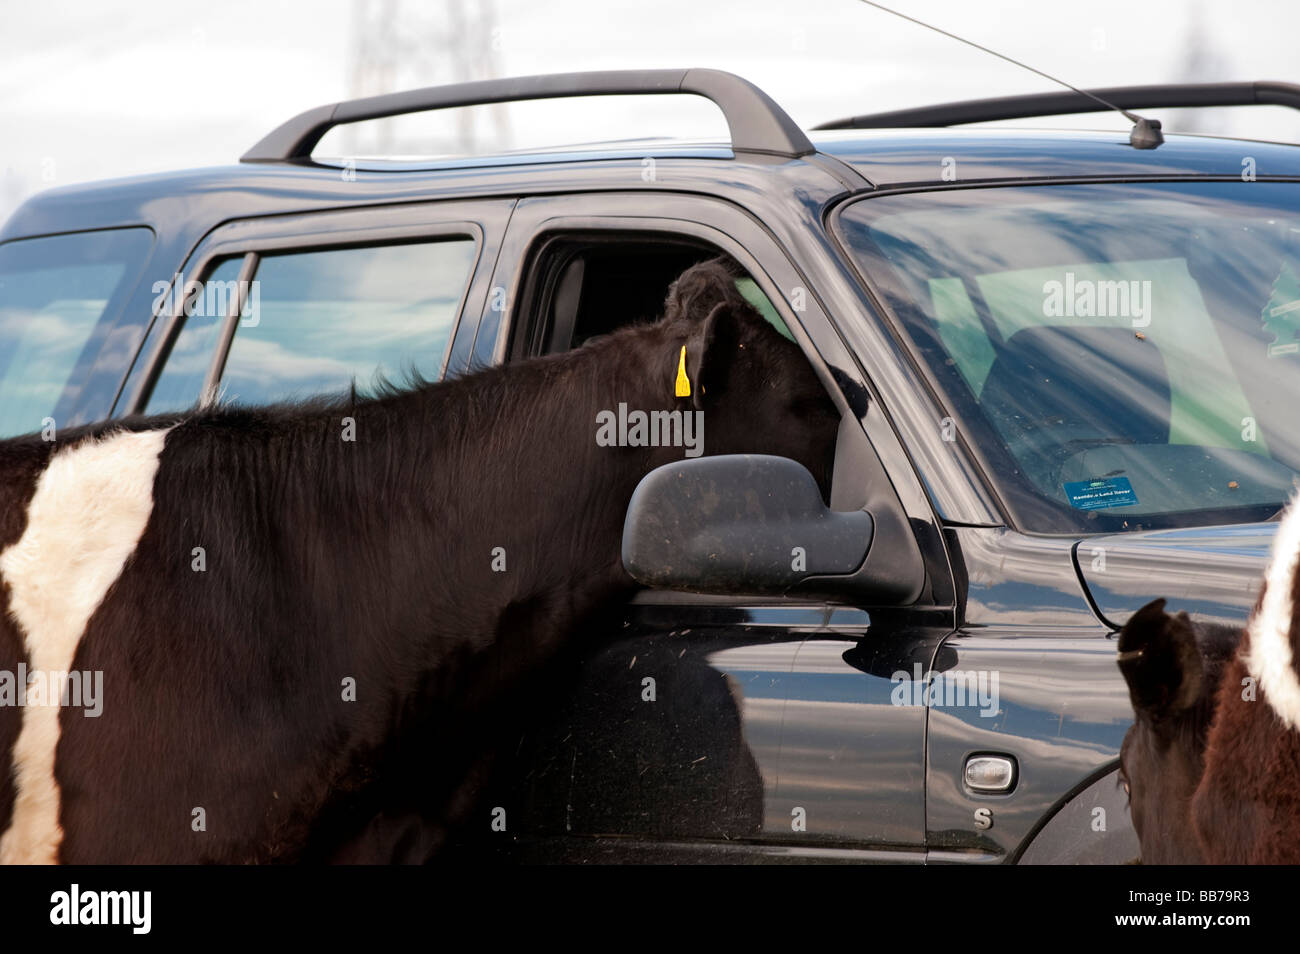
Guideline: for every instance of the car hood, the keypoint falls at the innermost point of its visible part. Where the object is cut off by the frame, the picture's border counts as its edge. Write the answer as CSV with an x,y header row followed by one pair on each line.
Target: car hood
x,y
1214,573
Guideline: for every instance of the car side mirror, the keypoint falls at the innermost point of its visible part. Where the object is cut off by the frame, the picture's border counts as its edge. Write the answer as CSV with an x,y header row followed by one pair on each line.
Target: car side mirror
x,y
738,523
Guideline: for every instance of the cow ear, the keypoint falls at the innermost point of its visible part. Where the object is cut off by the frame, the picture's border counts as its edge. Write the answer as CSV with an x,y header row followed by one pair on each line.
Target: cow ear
x,y
712,350
1160,662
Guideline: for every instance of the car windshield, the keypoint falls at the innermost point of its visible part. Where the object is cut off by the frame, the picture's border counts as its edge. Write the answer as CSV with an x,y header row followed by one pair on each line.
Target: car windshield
x,y
1118,356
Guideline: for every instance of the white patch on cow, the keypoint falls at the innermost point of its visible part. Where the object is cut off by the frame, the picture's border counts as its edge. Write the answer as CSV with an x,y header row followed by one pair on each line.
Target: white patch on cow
x,y
1268,657
85,519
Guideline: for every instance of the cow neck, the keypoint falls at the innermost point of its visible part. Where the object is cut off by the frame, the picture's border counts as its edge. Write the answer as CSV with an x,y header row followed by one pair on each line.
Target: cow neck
x,y
553,495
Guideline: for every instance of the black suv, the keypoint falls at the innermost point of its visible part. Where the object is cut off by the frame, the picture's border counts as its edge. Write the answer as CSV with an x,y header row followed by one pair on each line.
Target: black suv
x,y
1066,363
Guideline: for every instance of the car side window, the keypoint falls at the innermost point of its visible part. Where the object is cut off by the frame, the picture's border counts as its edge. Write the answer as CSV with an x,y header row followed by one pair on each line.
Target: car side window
x,y
53,293
314,322
581,287
178,386
319,320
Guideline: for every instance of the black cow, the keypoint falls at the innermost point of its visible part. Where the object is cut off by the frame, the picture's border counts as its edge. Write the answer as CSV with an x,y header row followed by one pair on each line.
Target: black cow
x,y
301,613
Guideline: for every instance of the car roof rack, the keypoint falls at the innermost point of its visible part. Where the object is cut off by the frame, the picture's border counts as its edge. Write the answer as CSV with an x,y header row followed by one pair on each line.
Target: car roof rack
x,y
757,123
1056,104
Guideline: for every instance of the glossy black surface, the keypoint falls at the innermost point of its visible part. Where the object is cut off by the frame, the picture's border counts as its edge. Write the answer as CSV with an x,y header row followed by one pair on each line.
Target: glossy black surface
x,y
795,707
768,723
1062,706
1214,573
891,158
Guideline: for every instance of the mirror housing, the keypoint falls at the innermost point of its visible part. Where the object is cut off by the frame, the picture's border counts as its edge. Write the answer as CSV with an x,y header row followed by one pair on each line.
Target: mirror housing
x,y
748,523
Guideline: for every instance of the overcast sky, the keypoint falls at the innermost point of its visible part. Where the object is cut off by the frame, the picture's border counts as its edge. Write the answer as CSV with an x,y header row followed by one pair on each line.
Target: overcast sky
x,y
92,90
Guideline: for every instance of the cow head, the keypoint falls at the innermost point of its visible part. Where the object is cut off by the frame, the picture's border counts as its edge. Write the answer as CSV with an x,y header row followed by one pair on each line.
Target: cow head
x,y
755,387
1172,668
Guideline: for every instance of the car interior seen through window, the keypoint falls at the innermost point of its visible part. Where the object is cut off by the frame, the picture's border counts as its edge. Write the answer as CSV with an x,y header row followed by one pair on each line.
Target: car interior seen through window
x,y
1125,356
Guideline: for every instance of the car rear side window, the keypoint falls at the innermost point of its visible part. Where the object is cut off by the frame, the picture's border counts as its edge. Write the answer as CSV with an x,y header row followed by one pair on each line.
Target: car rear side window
x,y
187,366
317,321
53,293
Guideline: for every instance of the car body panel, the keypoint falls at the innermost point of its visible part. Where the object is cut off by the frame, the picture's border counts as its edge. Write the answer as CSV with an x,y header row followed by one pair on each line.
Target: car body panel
x,y
1062,707
891,159
1062,713
699,722
1214,573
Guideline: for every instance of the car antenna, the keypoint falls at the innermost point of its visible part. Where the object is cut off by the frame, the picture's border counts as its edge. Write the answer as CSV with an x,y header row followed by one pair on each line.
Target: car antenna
x,y
1145,133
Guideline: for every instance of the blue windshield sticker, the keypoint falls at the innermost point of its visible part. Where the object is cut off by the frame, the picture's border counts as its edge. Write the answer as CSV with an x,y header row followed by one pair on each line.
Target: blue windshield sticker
x,y
1100,493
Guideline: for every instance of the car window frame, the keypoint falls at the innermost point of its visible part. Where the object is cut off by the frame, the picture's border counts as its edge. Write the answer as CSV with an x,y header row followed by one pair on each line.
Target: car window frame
x,y
794,619
482,221
773,268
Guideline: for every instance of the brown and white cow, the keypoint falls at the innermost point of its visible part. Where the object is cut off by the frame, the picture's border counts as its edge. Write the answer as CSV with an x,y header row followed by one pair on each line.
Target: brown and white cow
x,y
301,636
1212,761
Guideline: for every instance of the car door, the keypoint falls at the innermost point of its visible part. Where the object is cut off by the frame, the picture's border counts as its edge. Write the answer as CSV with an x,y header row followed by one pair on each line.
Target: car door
x,y
288,307
703,727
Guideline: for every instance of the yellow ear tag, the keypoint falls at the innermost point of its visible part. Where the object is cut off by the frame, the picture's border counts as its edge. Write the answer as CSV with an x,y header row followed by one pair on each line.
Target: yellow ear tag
x,y
683,382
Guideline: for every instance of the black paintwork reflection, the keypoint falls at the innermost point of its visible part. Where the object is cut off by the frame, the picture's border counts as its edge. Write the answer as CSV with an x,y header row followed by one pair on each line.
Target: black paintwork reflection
x,y
758,711
1092,829
761,710
1214,573
852,760
1010,577
1062,713
608,760
653,741
1062,706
